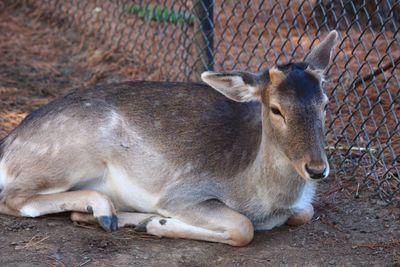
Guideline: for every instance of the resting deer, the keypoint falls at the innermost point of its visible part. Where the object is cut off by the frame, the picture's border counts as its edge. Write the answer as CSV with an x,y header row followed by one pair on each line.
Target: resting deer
x,y
179,160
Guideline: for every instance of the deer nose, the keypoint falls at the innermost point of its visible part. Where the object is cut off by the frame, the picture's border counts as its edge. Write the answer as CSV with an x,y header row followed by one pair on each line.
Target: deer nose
x,y
317,172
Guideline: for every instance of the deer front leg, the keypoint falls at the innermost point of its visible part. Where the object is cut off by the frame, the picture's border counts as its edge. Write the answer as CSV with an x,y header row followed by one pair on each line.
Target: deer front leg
x,y
209,221
124,218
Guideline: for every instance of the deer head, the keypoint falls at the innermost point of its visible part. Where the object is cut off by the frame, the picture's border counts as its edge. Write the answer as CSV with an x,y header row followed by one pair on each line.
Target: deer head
x,y
293,106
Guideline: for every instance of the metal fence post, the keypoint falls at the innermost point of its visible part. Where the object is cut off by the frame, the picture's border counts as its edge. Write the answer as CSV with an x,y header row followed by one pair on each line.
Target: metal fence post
x,y
203,37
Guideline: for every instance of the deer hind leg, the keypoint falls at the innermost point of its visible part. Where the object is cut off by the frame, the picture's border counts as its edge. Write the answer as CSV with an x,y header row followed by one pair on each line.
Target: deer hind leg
x,y
208,221
81,200
4,209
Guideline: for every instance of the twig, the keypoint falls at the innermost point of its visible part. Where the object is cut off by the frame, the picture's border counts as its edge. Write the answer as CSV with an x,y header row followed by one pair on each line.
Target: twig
x,y
84,225
378,245
357,195
29,244
335,190
58,262
331,225
353,148
84,263
2,79
377,72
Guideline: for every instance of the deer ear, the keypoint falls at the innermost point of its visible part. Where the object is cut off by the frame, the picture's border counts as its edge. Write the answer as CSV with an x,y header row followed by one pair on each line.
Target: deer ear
x,y
320,55
238,86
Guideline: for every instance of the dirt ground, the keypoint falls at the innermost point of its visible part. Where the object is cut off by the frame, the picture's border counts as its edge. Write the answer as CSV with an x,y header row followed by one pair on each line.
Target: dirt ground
x,y
345,231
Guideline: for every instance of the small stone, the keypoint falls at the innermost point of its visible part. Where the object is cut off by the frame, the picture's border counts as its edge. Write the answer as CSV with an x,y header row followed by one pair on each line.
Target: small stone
x,y
332,262
103,244
381,203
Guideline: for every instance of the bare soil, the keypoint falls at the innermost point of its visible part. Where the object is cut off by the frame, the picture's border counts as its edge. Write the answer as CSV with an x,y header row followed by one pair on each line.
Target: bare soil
x,y
344,232
351,227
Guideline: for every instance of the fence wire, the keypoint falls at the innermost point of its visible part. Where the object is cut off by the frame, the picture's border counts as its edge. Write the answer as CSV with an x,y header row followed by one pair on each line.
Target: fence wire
x,y
176,40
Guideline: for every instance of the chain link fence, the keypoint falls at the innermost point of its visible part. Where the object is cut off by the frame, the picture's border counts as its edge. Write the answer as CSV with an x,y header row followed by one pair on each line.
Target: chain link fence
x,y
177,40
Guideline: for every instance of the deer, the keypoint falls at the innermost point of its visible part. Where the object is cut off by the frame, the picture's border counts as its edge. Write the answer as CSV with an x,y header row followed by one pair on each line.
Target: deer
x,y
213,161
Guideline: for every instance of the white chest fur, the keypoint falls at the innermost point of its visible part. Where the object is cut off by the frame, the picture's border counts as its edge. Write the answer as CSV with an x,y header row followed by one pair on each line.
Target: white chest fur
x,y
305,198
303,201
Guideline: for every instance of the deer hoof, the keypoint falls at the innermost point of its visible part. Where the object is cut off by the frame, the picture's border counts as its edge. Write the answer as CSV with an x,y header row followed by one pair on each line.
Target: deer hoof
x,y
301,217
108,223
142,226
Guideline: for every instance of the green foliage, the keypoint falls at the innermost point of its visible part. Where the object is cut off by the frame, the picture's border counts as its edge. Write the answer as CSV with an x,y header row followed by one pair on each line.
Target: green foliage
x,y
161,14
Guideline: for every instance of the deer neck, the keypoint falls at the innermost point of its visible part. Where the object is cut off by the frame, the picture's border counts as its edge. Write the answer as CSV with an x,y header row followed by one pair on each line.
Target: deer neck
x,y
271,169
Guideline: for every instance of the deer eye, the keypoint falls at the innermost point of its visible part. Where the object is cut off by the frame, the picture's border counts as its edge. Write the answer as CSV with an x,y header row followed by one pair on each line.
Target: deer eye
x,y
276,111
326,107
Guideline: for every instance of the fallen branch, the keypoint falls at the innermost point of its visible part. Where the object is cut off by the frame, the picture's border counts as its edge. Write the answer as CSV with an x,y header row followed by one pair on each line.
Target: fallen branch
x,y
353,148
377,72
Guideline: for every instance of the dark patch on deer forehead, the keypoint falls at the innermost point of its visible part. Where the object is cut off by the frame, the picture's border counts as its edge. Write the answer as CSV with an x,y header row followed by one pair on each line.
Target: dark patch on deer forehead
x,y
301,85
